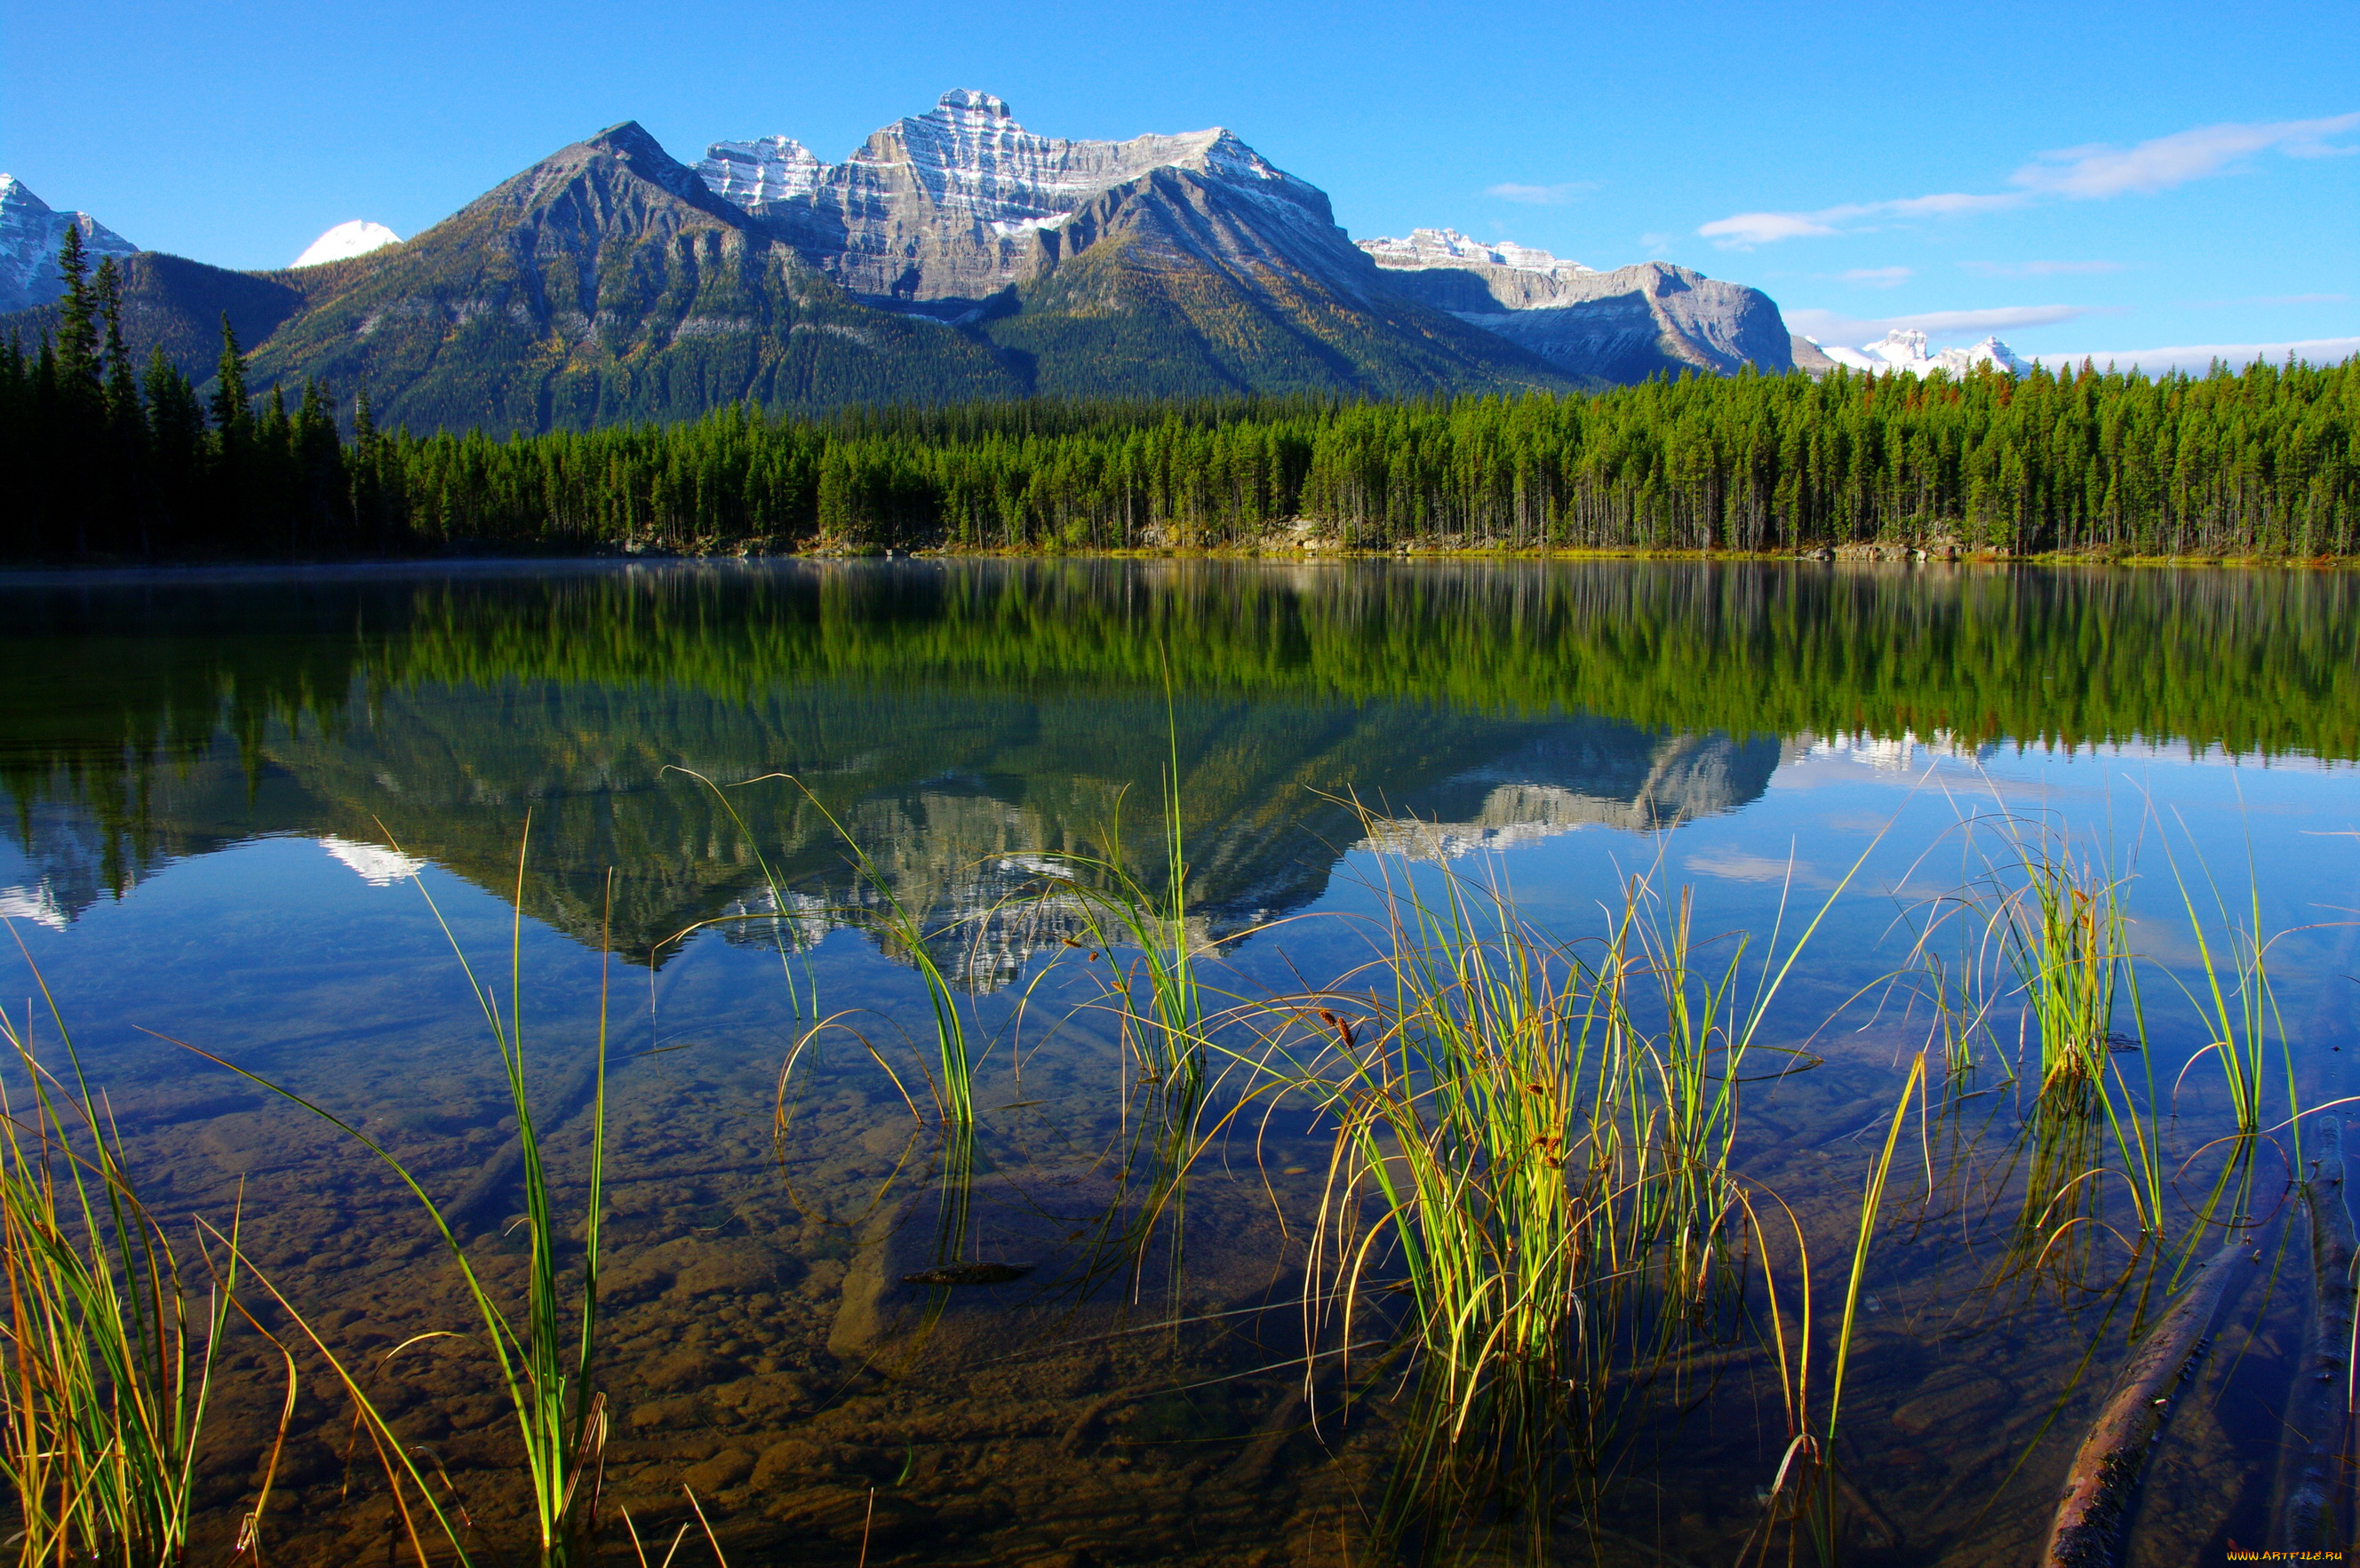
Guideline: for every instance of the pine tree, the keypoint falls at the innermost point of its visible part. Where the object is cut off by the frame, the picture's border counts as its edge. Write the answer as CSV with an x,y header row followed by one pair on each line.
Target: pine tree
x,y
230,415
77,348
122,387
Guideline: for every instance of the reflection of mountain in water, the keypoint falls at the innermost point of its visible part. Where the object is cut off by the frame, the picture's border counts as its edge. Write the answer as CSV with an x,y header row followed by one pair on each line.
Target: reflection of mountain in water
x,y
1578,775
963,722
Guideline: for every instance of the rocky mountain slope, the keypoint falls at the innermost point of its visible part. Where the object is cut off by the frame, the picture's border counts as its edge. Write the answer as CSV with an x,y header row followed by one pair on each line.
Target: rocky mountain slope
x,y
30,232
1623,325
956,255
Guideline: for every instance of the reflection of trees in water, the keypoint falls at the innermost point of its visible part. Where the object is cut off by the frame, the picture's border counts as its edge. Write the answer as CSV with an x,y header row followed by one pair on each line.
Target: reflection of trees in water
x,y
984,712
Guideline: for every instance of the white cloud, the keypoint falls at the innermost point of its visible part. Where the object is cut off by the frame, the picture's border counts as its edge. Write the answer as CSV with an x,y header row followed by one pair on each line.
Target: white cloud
x,y
2040,269
1949,204
1541,195
2195,357
2081,173
2271,299
1877,276
1746,230
1830,326
2090,172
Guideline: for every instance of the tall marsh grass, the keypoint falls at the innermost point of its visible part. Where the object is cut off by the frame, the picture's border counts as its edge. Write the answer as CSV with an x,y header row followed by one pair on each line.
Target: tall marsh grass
x,y
108,1354
1534,1139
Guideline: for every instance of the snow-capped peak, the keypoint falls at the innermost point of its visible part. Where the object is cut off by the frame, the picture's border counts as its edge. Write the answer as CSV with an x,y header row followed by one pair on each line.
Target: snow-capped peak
x,y
345,241
1448,247
770,168
30,232
1907,349
967,154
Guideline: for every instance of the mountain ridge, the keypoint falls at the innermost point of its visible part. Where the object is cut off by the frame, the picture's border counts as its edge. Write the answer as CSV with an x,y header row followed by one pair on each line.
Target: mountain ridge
x,y
954,254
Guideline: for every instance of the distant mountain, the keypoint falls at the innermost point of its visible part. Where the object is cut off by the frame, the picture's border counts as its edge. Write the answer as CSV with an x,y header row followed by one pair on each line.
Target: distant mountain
x,y
30,232
954,256
345,241
1621,326
1903,349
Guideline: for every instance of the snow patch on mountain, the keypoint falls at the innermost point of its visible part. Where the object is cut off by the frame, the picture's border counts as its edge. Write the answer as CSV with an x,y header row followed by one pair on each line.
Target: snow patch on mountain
x,y
772,169
345,241
969,156
1906,349
1448,247
30,232
962,200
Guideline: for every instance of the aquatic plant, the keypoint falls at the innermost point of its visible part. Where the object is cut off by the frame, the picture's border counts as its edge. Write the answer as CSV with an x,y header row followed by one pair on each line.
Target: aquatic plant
x,y
1808,1494
1537,1138
107,1357
543,1354
2059,924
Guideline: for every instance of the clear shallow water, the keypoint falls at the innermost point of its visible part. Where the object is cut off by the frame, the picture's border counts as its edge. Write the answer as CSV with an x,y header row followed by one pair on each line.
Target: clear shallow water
x,y
223,783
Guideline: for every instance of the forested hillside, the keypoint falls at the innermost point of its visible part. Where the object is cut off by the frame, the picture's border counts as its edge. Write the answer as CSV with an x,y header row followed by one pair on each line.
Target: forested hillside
x,y
114,461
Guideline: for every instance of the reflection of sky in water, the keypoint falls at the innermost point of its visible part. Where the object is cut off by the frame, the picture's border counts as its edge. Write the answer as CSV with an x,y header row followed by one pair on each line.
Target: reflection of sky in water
x,y
259,910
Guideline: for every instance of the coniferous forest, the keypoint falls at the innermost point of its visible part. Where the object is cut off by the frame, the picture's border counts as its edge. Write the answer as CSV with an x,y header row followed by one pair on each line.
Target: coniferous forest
x,y
113,461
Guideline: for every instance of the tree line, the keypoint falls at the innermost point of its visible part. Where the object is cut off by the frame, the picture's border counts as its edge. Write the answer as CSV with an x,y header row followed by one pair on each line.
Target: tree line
x,y
114,460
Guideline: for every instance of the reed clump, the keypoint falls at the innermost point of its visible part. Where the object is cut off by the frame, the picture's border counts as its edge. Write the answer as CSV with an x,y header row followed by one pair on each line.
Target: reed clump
x,y
1533,1156
108,1354
2060,928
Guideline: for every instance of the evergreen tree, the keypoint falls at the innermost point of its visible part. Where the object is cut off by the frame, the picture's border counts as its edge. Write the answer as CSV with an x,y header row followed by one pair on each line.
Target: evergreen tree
x,y
122,385
230,415
77,346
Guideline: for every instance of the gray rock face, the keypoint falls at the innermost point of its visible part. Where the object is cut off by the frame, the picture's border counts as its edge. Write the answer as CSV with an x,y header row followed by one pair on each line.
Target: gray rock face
x,y
1620,326
962,201
1808,357
30,232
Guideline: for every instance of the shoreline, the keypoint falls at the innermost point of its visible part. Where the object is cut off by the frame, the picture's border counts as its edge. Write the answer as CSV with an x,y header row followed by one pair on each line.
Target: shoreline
x,y
1853,555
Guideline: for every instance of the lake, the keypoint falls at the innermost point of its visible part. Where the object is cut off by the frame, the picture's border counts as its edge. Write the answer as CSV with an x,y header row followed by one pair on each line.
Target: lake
x,y
784,816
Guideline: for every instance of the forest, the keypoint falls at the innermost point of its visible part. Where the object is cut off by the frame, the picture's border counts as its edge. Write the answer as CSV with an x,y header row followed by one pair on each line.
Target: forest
x,y
116,462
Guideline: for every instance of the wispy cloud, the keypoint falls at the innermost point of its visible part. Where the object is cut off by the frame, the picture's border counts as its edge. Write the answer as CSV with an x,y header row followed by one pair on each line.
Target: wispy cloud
x,y
1541,195
1876,277
1831,326
2160,164
2081,173
2195,357
2040,269
1744,230
2269,299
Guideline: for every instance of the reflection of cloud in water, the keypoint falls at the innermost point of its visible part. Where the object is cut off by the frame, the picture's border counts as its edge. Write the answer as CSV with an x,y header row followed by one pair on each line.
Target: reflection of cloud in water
x,y
1737,866
38,904
378,866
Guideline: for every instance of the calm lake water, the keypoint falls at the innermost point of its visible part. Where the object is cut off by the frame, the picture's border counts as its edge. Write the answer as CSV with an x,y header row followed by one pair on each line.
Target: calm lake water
x,y
228,791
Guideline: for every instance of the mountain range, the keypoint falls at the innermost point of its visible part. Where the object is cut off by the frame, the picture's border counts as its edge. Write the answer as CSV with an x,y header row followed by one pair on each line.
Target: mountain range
x,y
954,254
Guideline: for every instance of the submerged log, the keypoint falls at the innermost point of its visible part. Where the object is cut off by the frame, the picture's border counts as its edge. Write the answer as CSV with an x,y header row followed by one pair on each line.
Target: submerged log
x,y
2320,1410
2104,1480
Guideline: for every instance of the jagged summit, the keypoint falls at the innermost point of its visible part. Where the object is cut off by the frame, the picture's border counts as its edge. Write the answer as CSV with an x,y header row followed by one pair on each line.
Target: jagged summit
x,y
750,174
1904,348
30,232
953,203
1448,247
953,254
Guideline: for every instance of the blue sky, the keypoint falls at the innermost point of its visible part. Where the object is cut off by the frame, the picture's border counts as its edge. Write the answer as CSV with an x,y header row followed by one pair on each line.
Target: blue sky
x,y
2085,178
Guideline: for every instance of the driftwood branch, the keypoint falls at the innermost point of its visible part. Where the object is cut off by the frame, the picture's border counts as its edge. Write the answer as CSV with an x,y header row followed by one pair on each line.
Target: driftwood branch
x,y
2104,1480
2321,1407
